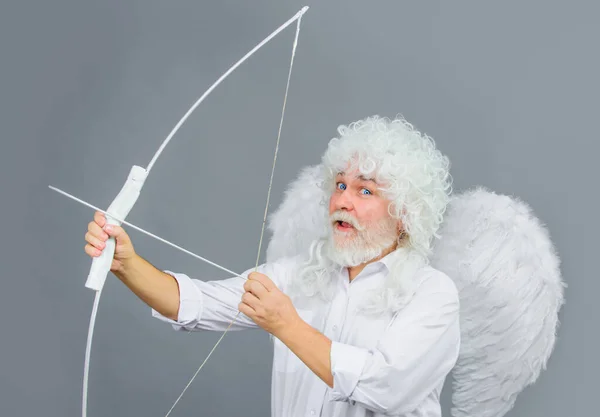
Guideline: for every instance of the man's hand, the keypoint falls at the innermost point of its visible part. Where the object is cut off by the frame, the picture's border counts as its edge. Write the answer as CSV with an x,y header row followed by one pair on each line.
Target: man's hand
x,y
267,306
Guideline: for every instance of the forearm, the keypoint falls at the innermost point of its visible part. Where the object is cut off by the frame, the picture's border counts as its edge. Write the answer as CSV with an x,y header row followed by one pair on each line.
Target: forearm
x,y
311,346
156,288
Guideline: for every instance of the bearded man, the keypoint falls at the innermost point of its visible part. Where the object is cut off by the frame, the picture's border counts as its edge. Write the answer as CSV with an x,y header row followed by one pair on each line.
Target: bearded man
x,y
362,324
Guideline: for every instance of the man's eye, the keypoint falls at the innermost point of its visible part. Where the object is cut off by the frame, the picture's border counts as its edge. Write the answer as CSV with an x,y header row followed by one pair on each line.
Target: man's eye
x,y
365,191
341,186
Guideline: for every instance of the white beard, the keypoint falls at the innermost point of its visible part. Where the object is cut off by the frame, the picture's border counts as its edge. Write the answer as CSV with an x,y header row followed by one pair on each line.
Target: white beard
x,y
361,245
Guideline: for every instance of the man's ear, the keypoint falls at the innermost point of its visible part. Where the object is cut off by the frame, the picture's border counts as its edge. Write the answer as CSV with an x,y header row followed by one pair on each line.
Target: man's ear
x,y
401,230
399,225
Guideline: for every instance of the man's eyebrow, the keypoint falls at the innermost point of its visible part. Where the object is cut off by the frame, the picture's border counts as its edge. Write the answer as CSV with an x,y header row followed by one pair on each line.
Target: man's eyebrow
x,y
360,177
367,179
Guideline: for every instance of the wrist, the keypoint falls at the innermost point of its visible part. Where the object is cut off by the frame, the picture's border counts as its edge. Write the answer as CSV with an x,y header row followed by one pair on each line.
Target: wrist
x,y
127,266
293,329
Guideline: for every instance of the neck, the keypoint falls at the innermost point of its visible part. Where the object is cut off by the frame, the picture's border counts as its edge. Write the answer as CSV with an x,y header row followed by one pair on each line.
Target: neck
x,y
353,271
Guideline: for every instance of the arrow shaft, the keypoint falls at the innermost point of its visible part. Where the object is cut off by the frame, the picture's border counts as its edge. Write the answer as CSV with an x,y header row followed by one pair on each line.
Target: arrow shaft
x,y
139,229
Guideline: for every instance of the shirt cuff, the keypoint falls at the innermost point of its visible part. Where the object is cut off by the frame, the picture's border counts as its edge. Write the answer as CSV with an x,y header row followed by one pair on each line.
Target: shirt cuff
x,y
347,363
190,304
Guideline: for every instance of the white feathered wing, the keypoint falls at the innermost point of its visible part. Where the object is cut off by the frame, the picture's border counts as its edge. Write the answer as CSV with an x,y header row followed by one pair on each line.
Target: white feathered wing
x,y
507,273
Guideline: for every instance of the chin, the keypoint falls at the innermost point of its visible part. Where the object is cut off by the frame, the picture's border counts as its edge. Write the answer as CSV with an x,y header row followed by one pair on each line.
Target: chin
x,y
349,249
345,253
343,241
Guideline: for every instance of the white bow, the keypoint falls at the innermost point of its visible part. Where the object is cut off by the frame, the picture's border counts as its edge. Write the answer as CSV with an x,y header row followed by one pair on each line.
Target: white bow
x,y
127,197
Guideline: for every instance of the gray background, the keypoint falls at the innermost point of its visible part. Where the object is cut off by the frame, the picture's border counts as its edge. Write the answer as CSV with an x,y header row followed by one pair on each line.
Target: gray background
x,y
508,89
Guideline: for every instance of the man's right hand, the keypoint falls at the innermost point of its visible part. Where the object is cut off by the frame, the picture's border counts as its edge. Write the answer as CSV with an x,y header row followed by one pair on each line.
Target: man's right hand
x,y
99,232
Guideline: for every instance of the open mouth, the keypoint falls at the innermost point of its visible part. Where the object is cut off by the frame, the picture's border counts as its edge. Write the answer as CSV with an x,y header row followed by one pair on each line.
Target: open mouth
x,y
340,225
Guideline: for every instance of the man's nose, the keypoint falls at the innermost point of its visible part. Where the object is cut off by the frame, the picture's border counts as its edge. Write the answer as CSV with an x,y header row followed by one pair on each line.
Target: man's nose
x,y
344,201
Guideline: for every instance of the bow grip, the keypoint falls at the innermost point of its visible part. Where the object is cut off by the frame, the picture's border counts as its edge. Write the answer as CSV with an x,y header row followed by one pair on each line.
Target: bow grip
x,y
119,208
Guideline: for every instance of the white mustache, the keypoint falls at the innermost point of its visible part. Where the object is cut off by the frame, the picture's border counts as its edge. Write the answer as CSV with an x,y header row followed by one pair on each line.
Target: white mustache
x,y
345,217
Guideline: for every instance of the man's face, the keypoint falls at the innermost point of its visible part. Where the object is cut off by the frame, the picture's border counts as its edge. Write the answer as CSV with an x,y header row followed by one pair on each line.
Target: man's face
x,y
361,224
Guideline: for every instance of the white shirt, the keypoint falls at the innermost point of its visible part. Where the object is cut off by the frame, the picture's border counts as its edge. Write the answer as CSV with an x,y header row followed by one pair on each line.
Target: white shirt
x,y
390,365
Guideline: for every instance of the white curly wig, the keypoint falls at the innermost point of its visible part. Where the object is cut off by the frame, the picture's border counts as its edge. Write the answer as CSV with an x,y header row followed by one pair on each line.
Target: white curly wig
x,y
395,153
417,183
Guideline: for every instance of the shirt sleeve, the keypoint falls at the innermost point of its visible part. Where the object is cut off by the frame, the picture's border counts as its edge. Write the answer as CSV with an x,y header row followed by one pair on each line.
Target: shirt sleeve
x,y
413,357
213,305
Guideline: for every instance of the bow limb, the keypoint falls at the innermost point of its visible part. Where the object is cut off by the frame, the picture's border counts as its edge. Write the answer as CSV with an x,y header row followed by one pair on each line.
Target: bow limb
x,y
119,209
297,16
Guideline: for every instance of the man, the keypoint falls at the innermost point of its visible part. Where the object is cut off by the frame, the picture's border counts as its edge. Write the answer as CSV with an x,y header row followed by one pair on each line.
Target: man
x,y
362,324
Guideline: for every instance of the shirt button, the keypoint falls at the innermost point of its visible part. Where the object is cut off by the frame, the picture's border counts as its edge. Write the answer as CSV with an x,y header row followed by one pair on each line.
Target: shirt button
x,y
334,327
312,412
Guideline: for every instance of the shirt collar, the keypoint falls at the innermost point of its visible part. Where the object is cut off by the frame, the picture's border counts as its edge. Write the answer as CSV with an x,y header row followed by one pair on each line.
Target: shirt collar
x,y
389,259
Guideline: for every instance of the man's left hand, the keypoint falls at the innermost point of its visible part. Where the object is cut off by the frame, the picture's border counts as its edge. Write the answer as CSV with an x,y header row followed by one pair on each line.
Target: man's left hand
x,y
266,305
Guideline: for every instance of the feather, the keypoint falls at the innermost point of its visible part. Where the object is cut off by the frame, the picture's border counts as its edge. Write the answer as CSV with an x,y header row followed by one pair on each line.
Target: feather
x,y
507,273
301,218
